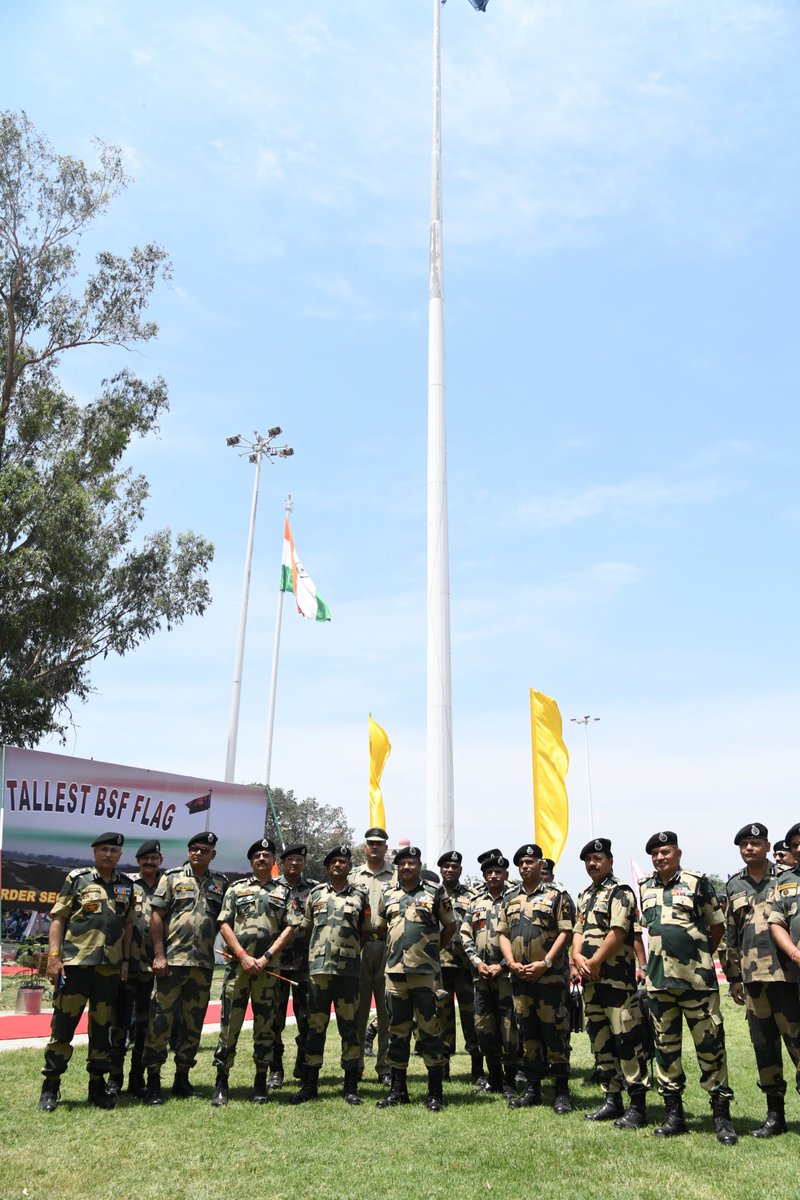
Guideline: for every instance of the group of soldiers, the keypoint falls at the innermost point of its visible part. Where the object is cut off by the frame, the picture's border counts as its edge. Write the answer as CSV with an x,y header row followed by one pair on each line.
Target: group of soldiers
x,y
139,950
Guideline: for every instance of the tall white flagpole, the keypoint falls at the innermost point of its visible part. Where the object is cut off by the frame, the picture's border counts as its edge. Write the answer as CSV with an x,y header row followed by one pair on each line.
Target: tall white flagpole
x,y
273,683
440,718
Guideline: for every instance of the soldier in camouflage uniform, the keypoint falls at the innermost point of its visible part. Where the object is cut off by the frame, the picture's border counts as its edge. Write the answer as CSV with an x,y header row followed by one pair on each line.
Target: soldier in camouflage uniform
x,y
183,928
684,922
534,928
548,876
294,967
603,954
757,975
784,917
91,925
337,922
133,1005
375,875
457,973
784,859
413,911
495,1026
257,921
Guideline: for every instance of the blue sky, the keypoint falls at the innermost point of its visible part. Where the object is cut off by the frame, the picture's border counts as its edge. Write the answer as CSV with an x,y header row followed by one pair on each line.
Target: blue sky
x,y
621,199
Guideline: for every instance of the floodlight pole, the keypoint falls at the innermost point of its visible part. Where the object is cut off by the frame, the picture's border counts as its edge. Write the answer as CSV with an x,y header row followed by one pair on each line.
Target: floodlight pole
x,y
584,721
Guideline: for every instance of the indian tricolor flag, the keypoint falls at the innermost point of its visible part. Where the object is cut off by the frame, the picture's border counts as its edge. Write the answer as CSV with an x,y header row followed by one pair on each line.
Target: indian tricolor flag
x,y
294,578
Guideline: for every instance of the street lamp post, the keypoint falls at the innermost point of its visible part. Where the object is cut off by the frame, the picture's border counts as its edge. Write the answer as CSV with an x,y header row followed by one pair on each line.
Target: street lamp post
x,y
584,721
256,450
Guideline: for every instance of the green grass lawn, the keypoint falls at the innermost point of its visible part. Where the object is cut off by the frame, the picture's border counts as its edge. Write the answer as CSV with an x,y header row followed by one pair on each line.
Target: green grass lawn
x,y
475,1147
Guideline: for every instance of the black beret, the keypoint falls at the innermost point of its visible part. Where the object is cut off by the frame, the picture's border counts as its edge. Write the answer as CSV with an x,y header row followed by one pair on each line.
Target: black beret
x,y
596,846
431,876
452,856
492,858
549,864
206,837
376,834
489,854
754,830
529,850
337,852
781,846
408,852
300,849
793,832
665,838
151,847
261,844
109,839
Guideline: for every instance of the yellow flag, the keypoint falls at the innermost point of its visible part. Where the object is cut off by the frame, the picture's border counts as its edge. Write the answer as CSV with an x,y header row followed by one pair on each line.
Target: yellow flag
x,y
550,766
379,750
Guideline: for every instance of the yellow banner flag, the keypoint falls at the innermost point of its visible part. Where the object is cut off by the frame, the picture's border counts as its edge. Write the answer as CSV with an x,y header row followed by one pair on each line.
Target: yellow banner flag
x,y
379,750
550,766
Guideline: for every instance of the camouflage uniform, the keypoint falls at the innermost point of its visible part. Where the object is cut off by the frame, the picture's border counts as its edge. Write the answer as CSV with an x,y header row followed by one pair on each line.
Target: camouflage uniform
x,y
294,966
373,967
412,966
566,1019
457,981
532,922
495,1026
190,908
682,980
770,982
133,1003
96,914
613,1014
334,922
257,913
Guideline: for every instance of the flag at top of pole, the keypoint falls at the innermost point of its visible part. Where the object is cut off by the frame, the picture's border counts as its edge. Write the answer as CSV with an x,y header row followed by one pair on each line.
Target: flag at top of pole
x,y
478,5
294,578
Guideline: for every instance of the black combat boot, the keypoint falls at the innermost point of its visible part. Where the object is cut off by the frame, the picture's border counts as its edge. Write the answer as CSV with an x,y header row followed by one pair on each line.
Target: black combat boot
x,y
181,1087
434,1101
369,1038
477,1075
152,1094
219,1096
350,1089
114,1085
775,1122
561,1101
529,1098
609,1110
299,1065
136,1084
276,1074
99,1095
636,1116
49,1097
721,1109
308,1088
675,1120
510,1090
494,1078
398,1091
446,1070
260,1088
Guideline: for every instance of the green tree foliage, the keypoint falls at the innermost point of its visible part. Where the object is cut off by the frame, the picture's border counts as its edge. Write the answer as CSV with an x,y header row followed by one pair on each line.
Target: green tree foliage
x,y
72,585
319,826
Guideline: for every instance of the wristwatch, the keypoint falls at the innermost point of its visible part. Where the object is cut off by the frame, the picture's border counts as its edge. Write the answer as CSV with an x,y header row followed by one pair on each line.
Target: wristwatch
x,y
548,962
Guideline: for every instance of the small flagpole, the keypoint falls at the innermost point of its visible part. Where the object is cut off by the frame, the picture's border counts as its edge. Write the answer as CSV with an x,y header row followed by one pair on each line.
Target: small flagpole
x,y
273,683
440,720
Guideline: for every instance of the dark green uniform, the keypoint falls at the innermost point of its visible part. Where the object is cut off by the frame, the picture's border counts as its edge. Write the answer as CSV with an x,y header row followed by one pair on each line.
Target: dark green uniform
x,y
133,1004
457,981
373,967
95,915
334,923
294,967
682,979
495,1027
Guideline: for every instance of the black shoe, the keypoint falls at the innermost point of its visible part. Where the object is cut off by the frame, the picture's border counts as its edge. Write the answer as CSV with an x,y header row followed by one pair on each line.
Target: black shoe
x,y
350,1088
152,1094
299,1065
636,1116
674,1122
477,1074
372,1030
561,1101
260,1089
775,1122
114,1084
275,1080
136,1084
181,1086
385,1077
219,1096
434,1101
529,1098
99,1095
308,1088
609,1110
398,1092
721,1108
49,1095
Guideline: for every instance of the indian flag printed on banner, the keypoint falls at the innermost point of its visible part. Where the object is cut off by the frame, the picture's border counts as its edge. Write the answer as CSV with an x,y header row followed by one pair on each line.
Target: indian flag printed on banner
x,y
294,578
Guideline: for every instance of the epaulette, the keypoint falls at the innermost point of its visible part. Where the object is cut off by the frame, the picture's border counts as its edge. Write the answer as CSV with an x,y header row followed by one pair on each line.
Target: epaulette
x,y
76,871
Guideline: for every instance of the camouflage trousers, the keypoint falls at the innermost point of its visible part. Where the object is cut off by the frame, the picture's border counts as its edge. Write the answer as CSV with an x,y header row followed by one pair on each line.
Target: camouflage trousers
x,y
373,983
186,988
133,1009
457,985
299,993
97,987
543,1020
238,990
703,1018
773,1012
409,997
495,1027
341,991
614,1026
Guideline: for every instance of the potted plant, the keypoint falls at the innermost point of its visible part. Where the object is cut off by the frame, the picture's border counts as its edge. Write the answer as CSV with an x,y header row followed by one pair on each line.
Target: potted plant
x,y
32,956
